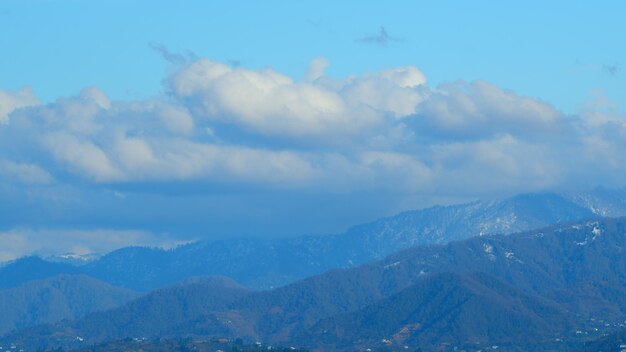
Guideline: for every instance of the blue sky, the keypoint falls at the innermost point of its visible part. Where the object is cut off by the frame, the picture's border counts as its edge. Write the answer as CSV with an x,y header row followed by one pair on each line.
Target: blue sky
x,y
151,122
558,51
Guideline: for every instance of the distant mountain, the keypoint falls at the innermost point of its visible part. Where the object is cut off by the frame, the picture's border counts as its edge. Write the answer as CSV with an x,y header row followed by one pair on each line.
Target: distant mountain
x,y
263,263
530,291
267,263
27,269
57,298
601,201
440,225
156,313
458,309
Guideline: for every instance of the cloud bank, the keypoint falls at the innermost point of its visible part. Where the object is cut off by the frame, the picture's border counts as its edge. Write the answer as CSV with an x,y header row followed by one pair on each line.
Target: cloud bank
x,y
387,129
235,129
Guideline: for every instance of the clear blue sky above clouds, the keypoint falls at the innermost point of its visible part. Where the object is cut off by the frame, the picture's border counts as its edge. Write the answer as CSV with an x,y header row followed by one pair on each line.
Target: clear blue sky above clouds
x,y
148,122
559,51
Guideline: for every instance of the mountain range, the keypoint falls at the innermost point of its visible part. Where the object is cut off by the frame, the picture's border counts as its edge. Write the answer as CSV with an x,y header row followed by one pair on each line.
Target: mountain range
x,y
267,263
57,298
549,289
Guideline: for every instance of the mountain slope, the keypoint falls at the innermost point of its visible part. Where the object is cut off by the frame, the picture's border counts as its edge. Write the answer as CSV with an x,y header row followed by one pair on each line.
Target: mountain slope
x,y
155,314
457,309
27,269
601,201
613,342
440,225
552,282
587,260
267,263
54,299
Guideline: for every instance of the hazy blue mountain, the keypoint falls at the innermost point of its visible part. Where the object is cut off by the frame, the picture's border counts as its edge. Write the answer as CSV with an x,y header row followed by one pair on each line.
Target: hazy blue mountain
x,y
550,283
32,268
57,298
601,201
459,309
157,312
266,263
440,225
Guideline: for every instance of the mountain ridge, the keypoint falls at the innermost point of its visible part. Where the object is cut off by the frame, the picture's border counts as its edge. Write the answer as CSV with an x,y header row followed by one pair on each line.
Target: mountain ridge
x,y
529,272
57,298
267,263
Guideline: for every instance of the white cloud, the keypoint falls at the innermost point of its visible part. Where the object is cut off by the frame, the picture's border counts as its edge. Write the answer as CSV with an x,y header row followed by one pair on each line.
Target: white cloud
x,y
393,171
271,103
382,94
177,119
183,160
497,165
404,77
172,159
96,96
262,101
228,147
83,156
24,172
480,109
383,131
316,69
10,101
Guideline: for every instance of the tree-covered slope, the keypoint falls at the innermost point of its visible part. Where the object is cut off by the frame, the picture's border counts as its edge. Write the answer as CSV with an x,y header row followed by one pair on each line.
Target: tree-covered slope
x,y
552,282
57,298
